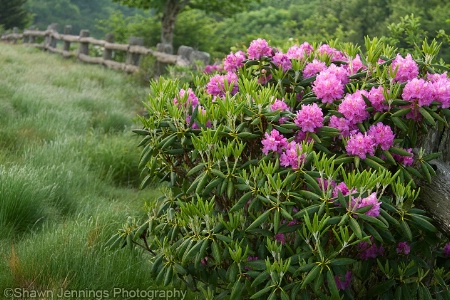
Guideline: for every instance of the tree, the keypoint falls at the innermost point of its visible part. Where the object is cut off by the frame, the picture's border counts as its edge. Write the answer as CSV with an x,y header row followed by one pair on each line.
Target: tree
x,y
170,9
13,13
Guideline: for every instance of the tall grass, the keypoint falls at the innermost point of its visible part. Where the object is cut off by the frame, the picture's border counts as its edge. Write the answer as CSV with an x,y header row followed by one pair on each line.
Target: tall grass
x,y
68,173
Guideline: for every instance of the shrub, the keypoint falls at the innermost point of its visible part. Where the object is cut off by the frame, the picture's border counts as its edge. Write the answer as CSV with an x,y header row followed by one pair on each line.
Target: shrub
x,y
294,175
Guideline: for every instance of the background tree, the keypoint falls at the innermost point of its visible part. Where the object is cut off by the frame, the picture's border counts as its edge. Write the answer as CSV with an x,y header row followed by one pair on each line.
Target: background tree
x,y
170,9
13,14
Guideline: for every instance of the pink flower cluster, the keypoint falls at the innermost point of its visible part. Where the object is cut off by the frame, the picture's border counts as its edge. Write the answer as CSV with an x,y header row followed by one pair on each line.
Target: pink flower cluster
x,y
186,99
259,48
446,250
360,145
213,69
353,107
343,284
355,65
376,98
382,135
313,68
404,160
299,52
292,156
418,91
333,53
372,199
234,61
441,88
216,85
403,248
279,105
282,61
407,68
309,117
330,83
369,250
346,127
273,142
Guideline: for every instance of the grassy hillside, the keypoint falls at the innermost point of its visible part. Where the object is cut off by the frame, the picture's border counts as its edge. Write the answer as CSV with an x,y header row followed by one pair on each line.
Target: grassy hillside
x,y
68,173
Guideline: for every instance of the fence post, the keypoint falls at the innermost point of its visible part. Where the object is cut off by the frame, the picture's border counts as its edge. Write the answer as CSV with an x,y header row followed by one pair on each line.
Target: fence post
x,y
84,47
67,30
134,58
107,53
31,38
15,31
50,41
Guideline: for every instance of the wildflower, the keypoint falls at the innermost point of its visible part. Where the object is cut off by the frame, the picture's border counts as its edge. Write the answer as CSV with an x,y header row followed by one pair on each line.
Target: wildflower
x,y
313,68
369,250
372,199
355,65
404,160
259,48
279,105
273,142
216,85
382,135
353,107
441,90
447,250
360,145
291,156
212,69
282,61
345,126
309,117
376,98
333,53
407,68
299,52
191,99
328,87
418,90
280,238
341,187
234,61
343,284
403,248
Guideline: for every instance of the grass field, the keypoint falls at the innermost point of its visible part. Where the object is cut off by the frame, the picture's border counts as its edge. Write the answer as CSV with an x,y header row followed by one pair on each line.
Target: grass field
x,y
68,174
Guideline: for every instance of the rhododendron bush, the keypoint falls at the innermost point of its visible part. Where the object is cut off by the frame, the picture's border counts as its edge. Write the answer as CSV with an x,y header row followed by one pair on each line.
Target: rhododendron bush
x,y
293,174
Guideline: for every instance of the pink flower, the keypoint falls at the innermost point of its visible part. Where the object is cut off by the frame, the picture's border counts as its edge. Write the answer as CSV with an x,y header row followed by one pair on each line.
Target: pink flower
x,y
292,156
345,126
372,199
353,107
279,105
345,283
407,68
282,61
234,61
369,250
216,85
187,97
259,48
403,248
313,68
418,90
382,135
341,187
328,87
324,184
404,160
447,250
280,238
376,97
333,53
441,90
355,65
274,142
213,68
340,72
299,52
360,145
309,117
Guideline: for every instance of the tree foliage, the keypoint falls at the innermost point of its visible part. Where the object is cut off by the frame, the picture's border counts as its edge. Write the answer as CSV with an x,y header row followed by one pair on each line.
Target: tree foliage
x,y
13,14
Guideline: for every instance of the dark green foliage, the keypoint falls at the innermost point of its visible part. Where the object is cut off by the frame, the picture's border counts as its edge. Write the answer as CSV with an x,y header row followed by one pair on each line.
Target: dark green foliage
x,y
13,14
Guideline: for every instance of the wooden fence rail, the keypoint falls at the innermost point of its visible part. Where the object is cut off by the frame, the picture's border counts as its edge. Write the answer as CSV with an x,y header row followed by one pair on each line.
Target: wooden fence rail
x,y
134,50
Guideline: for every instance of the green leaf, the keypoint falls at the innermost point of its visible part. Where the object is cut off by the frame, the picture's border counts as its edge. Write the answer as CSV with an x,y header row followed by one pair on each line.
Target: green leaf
x,y
190,253
260,293
355,227
401,112
223,238
373,220
313,274
261,219
381,288
422,223
236,290
262,277
309,195
332,285
195,169
400,124
406,230
341,261
373,164
427,116
242,201
212,185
